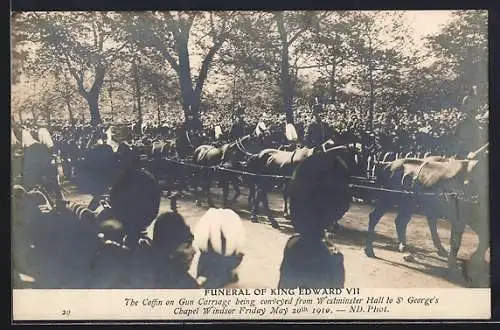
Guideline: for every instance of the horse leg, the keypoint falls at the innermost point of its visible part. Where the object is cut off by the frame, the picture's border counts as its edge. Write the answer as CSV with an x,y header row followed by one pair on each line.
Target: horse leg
x,y
286,214
251,196
265,204
208,183
483,244
457,230
257,196
401,222
381,207
237,191
476,269
436,240
225,192
198,182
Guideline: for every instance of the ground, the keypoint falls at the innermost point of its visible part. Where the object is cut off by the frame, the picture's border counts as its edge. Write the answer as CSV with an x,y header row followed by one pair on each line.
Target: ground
x,y
391,269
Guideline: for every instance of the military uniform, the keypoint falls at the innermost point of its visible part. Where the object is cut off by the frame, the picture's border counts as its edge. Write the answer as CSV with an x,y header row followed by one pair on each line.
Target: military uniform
x,y
467,132
237,129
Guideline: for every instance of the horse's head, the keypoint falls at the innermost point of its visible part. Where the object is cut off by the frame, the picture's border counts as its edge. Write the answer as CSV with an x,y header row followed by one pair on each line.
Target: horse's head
x,y
351,153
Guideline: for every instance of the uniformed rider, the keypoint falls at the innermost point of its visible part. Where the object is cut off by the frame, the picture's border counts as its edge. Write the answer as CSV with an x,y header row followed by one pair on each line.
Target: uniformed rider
x,y
316,131
468,131
237,129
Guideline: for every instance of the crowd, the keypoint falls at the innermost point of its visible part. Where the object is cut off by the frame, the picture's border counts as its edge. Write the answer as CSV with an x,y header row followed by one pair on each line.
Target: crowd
x,y
394,130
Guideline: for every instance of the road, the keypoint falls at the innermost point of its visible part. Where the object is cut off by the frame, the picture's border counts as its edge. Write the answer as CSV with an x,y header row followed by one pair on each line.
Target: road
x,y
264,247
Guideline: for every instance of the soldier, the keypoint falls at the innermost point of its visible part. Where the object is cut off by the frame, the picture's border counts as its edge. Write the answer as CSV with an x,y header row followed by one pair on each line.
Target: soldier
x,y
316,131
467,132
237,129
193,123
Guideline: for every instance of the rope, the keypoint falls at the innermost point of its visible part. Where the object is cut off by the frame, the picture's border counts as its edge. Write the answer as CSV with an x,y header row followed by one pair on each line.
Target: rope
x,y
446,195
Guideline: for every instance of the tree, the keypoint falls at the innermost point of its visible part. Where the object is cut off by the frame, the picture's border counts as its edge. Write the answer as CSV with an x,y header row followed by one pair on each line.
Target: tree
x,y
332,53
85,43
462,50
268,42
179,36
379,43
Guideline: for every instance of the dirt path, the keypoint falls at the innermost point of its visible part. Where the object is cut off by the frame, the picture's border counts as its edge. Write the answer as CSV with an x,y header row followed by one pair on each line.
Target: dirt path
x,y
264,250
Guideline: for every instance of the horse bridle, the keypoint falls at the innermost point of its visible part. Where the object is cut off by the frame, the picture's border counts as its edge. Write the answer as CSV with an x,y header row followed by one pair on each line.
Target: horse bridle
x,y
239,145
189,139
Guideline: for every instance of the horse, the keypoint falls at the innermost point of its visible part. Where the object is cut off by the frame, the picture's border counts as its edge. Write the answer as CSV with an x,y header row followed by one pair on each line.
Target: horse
x,y
229,155
100,167
426,181
186,141
35,164
283,163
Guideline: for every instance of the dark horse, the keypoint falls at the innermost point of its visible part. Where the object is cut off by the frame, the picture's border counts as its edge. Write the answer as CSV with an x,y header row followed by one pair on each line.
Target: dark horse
x,y
281,165
231,156
426,180
36,164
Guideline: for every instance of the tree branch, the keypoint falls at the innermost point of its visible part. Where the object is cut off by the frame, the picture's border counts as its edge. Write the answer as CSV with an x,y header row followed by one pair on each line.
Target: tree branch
x,y
206,65
78,77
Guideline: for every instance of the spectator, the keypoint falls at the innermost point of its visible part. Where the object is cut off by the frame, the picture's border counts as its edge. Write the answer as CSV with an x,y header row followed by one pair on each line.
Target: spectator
x,y
220,236
315,199
172,252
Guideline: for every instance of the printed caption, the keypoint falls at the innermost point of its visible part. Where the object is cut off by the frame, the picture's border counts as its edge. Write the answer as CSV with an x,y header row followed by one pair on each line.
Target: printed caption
x,y
277,303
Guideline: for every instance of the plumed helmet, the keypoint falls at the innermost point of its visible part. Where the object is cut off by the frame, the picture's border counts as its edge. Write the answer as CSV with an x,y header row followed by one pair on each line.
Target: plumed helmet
x,y
220,231
317,107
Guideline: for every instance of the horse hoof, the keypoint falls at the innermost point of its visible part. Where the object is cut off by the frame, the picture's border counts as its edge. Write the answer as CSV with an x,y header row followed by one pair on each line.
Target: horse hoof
x,y
287,216
275,225
401,247
253,219
369,252
197,203
409,258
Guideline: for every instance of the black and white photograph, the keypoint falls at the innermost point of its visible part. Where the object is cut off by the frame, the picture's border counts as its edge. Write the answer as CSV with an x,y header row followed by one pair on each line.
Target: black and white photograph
x,y
250,149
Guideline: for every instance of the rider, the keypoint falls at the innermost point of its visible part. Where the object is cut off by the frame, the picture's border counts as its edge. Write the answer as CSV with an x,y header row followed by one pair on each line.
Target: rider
x,y
316,131
193,123
467,132
237,129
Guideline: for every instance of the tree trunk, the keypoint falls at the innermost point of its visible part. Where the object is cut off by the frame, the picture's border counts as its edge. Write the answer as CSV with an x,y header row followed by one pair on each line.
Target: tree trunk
x,y
34,115
185,80
372,96
333,86
286,82
70,112
137,92
111,102
92,98
158,110
286,87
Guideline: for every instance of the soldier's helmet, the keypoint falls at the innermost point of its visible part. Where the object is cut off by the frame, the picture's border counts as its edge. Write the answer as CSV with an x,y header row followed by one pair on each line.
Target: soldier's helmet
x,y
317,108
